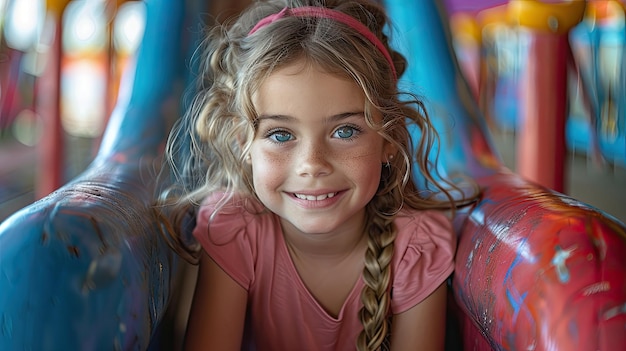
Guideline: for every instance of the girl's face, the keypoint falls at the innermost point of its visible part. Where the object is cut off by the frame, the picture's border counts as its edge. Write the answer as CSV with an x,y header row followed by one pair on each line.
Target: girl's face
x,y
315,162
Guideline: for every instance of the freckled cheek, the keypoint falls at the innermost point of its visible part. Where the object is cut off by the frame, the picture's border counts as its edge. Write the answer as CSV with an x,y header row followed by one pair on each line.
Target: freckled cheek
x,y
367,167
359,158
271,169
268,170
364,166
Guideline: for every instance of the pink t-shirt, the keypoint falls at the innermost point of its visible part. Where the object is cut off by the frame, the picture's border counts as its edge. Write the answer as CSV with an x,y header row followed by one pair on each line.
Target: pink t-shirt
x,y
282,313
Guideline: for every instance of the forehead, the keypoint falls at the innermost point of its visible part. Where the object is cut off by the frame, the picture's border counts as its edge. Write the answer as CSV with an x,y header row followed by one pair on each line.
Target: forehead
x,y
306,85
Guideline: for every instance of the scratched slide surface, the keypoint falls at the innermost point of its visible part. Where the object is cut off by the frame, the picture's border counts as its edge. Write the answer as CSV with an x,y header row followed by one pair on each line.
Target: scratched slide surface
x,y
540,271
86,268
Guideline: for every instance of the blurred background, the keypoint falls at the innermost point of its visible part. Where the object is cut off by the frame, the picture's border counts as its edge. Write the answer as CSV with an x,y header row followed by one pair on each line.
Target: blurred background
x,y
56,95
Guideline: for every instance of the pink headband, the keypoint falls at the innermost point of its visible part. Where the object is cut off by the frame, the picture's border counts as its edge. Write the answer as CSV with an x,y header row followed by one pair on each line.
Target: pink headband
x,y
322,12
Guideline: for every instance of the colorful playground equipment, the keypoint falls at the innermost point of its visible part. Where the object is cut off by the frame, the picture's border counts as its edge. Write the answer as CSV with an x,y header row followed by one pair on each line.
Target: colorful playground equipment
x,y
599,47
544,85
573,74
52,153
60,69
522,247
86,268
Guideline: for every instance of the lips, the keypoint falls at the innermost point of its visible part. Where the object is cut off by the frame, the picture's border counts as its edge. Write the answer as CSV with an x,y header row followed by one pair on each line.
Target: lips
x,y
314,197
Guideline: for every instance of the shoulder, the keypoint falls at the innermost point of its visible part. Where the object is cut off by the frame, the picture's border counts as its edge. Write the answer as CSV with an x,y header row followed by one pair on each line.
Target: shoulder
x,y
429,228
423,256
221,216
229,229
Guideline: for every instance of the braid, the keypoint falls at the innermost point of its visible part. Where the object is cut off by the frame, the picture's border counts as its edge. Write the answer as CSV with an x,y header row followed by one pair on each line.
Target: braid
x,y
376,295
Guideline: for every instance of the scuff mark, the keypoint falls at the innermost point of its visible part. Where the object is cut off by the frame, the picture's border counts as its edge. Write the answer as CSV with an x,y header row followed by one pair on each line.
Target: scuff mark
x,y
7,326
615,311
73,250
597,288
559,260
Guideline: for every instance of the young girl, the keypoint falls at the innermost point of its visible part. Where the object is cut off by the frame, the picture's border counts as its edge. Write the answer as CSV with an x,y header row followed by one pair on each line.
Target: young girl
x,y
313,233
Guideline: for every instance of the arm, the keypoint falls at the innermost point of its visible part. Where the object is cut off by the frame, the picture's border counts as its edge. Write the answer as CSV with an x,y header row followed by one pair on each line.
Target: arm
x,y
423,326
218,310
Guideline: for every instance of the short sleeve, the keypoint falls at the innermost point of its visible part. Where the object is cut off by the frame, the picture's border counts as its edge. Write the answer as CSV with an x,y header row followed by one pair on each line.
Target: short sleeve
x,y
423,259
225,236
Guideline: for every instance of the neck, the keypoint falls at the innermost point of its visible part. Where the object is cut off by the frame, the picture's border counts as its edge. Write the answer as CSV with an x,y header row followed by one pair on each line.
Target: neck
x,y
327,247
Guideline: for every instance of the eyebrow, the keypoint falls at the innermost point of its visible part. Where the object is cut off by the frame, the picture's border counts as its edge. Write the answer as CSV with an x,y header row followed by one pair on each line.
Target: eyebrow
x,y
333,118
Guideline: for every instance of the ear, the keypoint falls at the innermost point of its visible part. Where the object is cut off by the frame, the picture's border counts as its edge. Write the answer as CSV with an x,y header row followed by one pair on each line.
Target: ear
x,y
389,153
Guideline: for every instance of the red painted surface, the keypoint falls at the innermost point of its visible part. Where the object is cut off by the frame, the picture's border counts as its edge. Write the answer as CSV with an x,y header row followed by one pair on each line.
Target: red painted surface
x,y
48,95
537,270
543,101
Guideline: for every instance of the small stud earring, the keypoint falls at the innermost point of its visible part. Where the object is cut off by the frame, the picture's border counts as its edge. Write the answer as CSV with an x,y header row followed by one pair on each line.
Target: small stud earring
x,y
389,158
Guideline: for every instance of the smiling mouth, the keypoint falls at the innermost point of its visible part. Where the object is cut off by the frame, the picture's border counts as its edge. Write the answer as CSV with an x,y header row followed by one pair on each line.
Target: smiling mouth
x,y
314,197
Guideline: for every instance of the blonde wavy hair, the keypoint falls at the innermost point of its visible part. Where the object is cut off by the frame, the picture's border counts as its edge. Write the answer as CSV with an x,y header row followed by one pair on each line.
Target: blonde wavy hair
x,y
221,121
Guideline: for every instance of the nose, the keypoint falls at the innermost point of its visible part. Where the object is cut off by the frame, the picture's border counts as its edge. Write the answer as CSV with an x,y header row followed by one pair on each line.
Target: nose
x,y
313,160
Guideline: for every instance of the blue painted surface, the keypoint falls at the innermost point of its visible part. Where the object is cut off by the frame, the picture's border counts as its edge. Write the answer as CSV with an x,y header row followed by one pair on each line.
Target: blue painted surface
x,y
85,268
420,35
607,128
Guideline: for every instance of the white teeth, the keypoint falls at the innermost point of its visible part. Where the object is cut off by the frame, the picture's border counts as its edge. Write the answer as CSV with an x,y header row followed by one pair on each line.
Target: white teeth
x,y
314,198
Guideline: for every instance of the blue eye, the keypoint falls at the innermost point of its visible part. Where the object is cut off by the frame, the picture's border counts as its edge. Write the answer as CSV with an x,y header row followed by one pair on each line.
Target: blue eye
x,y
280,136
345,132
